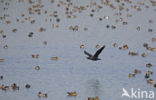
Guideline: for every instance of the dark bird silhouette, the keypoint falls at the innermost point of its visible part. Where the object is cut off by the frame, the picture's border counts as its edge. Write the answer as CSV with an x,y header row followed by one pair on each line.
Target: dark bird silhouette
x,y
95,56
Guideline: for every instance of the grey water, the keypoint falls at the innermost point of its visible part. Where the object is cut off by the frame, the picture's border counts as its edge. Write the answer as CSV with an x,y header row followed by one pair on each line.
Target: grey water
x,y
72,71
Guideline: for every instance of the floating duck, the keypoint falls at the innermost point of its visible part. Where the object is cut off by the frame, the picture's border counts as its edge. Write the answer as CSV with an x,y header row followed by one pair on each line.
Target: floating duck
x,y
8,22
143,55
131,75
45,42
124,23
30,34
94,98
57,20
153,49
100,19
113,27
75,28
133,53
40,94
32,21
14,86
82,46
37,68
106,17
97,46
107,26
136,71
149,48
150,81
5,47
4,36
72,93
115,45
138,28
150,30
54,58
1,77
155,85
35,56
41,29
3,87
70,27
149,65
73,16
145,45
1,60
27,86
85,29
124,47
91,15
148,73
14,30
153,39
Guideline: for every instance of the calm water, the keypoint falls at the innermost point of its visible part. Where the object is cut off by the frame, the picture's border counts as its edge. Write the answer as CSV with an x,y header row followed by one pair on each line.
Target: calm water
x,y
73,72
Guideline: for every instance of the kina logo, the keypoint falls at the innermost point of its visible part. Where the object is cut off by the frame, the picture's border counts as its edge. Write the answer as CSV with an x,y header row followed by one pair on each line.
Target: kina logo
x,y
137,94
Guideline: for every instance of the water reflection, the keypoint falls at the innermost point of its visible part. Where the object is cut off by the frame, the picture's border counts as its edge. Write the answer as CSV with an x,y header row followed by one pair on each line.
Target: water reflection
x,y
93,88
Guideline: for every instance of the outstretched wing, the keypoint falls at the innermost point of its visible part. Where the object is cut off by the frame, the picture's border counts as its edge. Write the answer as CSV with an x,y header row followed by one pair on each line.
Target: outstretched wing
x,y
99,51
87,53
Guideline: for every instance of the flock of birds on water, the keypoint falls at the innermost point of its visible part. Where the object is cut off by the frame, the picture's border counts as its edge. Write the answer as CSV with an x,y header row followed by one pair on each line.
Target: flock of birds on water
x,y
70,11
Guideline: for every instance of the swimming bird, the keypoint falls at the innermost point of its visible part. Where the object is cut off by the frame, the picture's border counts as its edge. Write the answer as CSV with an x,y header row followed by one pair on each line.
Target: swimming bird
x,y
155,85
150,81
72,93
40,94
27,86
93,98
136,71
95,56
14,86
131,75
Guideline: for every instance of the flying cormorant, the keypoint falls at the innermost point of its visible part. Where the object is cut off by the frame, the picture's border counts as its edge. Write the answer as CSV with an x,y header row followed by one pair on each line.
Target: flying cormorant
x,y
95,56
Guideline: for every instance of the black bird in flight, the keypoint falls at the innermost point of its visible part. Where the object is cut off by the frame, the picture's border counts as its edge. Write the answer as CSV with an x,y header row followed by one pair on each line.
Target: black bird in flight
x,y
95,56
